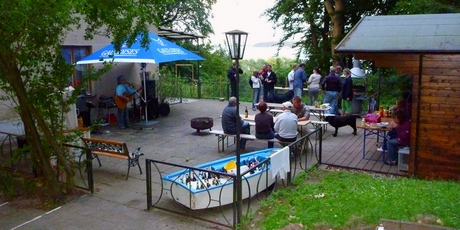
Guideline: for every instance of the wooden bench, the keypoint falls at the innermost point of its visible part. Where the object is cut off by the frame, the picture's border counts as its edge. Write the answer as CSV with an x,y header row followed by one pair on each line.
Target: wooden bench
x,y
317,124
113,149
222,137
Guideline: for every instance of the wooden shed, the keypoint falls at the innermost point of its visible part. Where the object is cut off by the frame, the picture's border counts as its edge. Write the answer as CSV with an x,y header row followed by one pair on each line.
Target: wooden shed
x,y
428,48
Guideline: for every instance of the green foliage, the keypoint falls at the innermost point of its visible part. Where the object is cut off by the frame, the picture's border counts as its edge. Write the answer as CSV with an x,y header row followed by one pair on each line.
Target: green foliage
x,y
349,200
426,7
12,185
189,16
314,41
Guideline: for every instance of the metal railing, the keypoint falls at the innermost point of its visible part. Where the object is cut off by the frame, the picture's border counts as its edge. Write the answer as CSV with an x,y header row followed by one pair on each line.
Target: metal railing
x,y
14,154
305,153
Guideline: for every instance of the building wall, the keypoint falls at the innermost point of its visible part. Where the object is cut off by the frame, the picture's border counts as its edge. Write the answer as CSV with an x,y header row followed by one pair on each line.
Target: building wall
x,y
436,118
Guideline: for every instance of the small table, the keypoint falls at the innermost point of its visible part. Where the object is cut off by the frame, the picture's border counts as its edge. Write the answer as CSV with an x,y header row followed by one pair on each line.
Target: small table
x,y
287,88
373,129
318,112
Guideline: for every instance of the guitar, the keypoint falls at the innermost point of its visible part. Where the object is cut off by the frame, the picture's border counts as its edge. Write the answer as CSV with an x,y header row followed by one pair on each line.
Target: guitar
x,y
121,102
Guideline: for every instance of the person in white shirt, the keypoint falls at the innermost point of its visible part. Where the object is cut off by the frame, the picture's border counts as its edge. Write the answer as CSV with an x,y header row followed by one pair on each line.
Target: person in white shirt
x,y
256,86
313,88
290,77
286,124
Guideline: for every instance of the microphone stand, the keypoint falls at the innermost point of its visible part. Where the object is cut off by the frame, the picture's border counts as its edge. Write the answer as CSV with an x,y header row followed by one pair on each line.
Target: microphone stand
x,y
140,106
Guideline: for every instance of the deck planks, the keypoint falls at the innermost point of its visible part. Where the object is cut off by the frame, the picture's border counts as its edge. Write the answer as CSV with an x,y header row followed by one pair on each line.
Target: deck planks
x,y
347,153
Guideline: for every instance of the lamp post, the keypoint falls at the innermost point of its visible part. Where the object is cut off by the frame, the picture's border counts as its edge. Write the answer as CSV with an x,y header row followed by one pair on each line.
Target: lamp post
x,y
236,41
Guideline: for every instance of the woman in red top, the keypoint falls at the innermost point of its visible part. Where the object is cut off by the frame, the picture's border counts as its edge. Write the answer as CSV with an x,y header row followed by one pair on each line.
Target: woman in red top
x,y
401,124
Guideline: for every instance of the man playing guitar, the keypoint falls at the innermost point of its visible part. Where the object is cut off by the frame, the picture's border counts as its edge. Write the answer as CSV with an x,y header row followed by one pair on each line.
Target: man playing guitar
x,y
123,96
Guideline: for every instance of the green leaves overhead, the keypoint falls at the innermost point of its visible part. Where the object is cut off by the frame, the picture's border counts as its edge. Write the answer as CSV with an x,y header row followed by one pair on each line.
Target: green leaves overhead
x,y
189,16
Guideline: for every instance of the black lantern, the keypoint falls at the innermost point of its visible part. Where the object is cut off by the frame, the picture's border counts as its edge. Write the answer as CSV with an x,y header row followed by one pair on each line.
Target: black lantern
x,y
236,41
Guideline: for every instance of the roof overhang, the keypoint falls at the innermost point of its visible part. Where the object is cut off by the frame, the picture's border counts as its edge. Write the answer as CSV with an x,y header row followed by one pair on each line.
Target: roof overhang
x,y
171,34
404,34
400,41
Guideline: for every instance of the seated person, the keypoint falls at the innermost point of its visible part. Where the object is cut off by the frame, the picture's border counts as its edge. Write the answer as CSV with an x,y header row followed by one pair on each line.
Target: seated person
x,y
264,124
230,117
286,124
402,126
400,106
301,111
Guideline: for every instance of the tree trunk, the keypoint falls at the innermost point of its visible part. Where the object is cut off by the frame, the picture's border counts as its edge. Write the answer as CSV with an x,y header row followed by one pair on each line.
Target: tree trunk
x,y
41,153
336,12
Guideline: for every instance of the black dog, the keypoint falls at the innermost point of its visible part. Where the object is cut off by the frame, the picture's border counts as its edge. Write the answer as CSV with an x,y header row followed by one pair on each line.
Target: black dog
x,y
340,121
281,98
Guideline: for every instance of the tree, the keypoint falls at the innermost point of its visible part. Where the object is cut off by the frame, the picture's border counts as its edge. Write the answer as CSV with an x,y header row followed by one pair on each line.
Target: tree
x,y
321,25
190,16
426,6
33,71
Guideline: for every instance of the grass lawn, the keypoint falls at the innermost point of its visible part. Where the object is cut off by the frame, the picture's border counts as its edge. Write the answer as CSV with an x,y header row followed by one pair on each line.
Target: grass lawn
x,y
346,199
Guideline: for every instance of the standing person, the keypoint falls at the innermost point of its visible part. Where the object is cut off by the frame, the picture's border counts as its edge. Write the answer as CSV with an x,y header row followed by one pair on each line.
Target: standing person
x,y
263,70
230,117
269,84
338,70
256,80
313,87
290,77
347,92
299,78
123,94
331,87
402,126
231,74
264,124
286,124
256,87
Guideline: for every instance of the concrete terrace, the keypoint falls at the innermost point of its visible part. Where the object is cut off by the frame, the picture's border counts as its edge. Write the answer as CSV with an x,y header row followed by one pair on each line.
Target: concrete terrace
x,y
121,204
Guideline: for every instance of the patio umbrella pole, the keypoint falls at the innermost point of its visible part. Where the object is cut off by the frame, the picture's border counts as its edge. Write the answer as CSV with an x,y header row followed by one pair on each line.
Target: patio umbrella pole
x,y
143,65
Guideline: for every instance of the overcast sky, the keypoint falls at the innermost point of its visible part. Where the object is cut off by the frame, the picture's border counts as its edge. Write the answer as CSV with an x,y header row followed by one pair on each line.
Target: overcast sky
x,y
245,15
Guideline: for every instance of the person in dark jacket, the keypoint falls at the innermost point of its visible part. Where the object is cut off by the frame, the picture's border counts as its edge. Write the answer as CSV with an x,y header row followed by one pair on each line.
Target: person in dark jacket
x,y
264,124
331,87
231,74
269,83
230,117
347,92
402,126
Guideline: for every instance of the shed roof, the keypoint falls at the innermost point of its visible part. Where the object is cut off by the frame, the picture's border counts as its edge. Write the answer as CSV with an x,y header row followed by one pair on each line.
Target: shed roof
x,y
421,33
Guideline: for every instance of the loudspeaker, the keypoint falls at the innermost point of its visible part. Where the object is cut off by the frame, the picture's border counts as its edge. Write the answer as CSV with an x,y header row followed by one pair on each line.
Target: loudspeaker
x,y
150,88
152,107
164,109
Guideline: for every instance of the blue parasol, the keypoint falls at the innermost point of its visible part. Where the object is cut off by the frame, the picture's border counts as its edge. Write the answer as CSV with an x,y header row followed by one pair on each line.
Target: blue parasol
x,y
159,50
